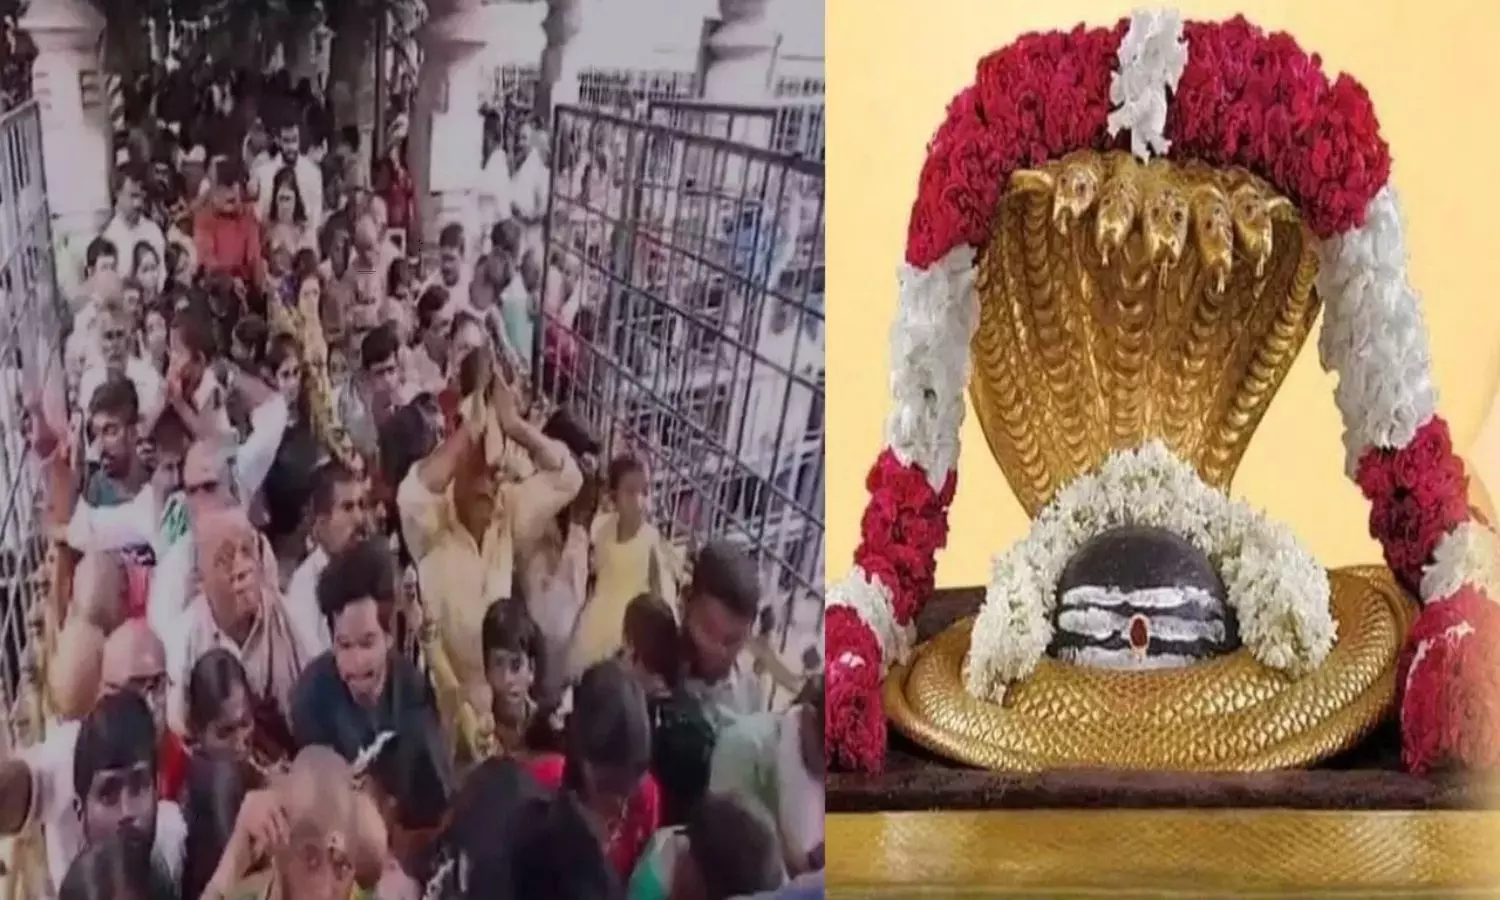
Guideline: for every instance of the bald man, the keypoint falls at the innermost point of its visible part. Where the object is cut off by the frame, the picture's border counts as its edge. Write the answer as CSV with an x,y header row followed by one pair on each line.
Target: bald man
x,y
39,783
321,832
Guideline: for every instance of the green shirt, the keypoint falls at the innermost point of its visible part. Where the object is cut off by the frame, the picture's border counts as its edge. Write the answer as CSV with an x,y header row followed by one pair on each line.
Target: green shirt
x,y
652,879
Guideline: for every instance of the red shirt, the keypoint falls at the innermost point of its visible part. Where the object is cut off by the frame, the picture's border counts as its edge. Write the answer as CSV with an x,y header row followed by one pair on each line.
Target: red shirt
x,y
171,765
629,837
229,244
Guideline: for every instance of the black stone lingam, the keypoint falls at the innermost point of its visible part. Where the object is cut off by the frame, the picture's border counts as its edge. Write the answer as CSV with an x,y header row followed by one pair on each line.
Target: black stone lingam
x,y
1137,597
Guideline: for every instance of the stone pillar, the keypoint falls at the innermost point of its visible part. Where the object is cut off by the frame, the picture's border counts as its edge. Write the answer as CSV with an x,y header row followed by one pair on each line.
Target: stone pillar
x,y
563,22
75,127
447,130
741,53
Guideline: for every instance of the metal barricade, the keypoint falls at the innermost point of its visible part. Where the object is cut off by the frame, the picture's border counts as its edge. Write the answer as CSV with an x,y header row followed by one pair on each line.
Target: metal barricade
x,y
684,321
31,322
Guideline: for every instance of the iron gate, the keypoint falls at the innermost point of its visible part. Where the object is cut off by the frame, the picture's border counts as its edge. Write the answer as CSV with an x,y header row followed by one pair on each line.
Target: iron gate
x,y
31,317
685,323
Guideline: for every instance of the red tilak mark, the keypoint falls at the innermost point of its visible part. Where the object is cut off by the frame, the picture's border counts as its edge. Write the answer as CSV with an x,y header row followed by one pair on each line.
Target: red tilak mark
x,y
1140,633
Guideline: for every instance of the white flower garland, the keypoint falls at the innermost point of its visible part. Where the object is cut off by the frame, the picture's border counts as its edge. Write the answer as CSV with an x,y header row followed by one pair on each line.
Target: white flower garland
x,y
1275,586
873,604
1152,58
937,312
1465,555
1373,334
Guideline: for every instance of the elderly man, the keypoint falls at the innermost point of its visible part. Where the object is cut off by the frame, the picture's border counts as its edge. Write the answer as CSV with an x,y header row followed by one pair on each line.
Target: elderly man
x,y
238,608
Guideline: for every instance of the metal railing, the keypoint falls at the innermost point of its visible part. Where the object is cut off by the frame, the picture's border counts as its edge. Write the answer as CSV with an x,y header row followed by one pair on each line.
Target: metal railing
x,y
685,324
31,325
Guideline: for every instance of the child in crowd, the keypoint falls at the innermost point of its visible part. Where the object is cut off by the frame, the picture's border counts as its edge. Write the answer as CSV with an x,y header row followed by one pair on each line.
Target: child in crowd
x,y
627,563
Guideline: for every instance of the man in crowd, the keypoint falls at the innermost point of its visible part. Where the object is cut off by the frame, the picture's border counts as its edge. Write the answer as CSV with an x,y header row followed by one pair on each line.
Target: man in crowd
x,y
341,517
129,227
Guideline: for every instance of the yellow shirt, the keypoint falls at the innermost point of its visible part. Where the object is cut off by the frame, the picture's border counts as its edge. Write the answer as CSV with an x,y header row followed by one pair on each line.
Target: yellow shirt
x,y
623,572
460,577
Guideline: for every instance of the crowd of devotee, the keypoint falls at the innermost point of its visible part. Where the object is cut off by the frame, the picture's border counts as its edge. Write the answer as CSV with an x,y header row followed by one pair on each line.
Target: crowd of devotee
x,y
355,610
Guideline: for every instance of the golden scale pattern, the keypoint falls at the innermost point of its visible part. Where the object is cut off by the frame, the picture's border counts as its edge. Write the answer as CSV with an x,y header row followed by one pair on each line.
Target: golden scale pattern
x,y
1123,301
1160,853
1227,714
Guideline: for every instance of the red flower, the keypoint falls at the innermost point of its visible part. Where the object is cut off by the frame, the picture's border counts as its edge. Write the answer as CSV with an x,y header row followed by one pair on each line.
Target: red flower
x,y
1041,97
1450,700
905,524
1417,494
854,721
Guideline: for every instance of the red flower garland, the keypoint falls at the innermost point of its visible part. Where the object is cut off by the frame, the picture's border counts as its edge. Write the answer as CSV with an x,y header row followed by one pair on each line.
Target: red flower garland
x,y
1450,701
854,719
1246,98
905,524
1417,495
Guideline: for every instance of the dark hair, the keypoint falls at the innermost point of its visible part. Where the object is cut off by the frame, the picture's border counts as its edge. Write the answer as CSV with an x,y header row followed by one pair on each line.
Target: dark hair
x,y
558,855
609,726
622,467
304,265
141,249
505,236
118,733
432,302
565,428
650,629
286,177
683,736
252,331
216,785
326,479
735,848
212,680
116,397
361,571
129,171
97,248
725,572
115,868
451,237
508,626
196,331
230,172
397,275
378,346
487,815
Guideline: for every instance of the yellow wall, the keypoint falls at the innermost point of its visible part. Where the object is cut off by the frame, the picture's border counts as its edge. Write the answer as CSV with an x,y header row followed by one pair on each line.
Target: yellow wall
x,y
1431,68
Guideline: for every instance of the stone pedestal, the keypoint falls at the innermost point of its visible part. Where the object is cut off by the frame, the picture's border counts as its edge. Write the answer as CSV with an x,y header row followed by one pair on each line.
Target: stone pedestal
x,y
447,130
75,126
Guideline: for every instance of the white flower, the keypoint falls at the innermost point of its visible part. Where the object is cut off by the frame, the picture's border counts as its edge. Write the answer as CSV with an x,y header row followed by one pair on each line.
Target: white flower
x,y
873,604
1373,333
935,319
1465,555
1278,591
1152,58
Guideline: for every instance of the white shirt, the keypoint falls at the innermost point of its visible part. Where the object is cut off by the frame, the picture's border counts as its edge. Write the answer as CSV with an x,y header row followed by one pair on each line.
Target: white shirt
x,y
52,804
309,185
301,601
125,236
529,186
496,193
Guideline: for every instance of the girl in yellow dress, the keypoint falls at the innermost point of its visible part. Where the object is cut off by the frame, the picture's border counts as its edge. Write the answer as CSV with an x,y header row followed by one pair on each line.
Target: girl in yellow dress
x,y
627,562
